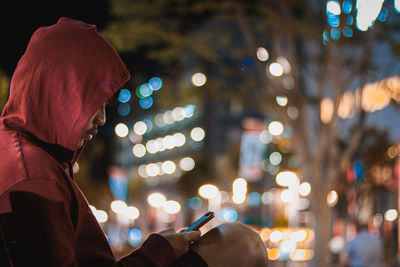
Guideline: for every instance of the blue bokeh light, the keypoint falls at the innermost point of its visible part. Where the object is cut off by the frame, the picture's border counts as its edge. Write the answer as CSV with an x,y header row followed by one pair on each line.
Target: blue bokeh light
x,y
195,203
155,83
228,215
123,109
124,96
325,37
347,31
347,6
254,199
335,34
145,90
247,61
146,102
350,20
189,110
135,237
333,20
383,14
149,125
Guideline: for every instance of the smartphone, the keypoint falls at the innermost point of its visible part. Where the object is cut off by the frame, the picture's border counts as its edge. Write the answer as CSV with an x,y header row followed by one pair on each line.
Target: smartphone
x,y
200,222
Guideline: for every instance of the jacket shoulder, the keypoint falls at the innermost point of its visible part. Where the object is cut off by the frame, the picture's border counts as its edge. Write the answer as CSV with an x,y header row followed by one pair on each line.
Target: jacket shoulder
x,y
24,160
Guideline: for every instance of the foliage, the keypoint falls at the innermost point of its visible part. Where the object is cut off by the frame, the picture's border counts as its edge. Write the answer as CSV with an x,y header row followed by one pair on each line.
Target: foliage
x,y
4,88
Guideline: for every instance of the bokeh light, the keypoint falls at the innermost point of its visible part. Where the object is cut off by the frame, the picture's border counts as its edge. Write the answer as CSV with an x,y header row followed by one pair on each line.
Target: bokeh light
x,y
188,111
139,150
265,137
286,178
135,237
131,213
305,189
140,128
254,199
101,216
123,109
155,83
168,167
208,191
124,95
332,198
118,206
262,54
195,203
275,158
287,195
199,79
187,164
228,215
146,102
333,7
156,200
172,207
276,69
391,215
121,130
145,90
275,128
197,134
281,100
276,236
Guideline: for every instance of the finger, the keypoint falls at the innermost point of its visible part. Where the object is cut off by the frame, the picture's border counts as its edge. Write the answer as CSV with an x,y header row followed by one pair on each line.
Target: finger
x,y
181,230
192,236
168,231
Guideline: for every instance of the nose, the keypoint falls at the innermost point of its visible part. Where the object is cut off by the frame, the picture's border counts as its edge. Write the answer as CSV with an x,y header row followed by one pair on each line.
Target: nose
x,y
100,117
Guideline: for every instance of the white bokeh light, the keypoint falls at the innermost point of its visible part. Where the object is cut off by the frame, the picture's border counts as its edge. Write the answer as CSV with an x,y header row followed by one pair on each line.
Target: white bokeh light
x,y
139,150
156,200
275,128
172,207
208,191
118,206
140,128
262,54
276,69
121,130
199,79
186,164
197,134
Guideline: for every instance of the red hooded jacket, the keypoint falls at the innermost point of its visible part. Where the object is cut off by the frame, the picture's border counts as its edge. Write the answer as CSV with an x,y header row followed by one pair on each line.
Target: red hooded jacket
x,y
66,74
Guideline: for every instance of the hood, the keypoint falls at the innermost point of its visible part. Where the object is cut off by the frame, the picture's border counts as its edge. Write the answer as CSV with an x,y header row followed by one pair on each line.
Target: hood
x,y
69,70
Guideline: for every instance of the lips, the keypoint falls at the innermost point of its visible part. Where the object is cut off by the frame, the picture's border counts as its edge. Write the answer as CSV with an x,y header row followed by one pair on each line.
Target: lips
x,y
91,133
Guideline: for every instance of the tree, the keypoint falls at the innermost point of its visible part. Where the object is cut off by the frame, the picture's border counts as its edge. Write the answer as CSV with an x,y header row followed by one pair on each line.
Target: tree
x,y
320,72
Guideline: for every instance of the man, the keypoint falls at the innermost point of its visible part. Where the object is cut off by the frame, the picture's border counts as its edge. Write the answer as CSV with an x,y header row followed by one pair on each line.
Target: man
x,y
364,250
57,101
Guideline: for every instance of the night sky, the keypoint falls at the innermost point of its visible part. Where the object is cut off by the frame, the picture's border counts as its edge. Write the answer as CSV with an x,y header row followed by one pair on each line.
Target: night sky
x,y
19,19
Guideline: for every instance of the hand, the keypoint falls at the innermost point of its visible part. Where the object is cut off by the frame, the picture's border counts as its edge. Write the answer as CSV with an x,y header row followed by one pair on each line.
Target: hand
x,y
180,241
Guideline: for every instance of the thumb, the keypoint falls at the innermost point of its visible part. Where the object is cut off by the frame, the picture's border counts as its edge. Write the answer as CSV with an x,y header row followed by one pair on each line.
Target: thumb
x,y
192,236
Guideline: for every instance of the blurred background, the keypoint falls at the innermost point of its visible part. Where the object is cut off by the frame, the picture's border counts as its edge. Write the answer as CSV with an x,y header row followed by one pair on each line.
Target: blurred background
x,y
282,114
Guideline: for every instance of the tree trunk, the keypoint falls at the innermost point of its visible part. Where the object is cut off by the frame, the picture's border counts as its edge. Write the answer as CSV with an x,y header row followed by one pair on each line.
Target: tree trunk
x,y
322,229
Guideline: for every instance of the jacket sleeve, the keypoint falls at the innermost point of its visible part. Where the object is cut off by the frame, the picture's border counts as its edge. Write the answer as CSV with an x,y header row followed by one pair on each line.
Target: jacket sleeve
x,y
155,251
40,232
